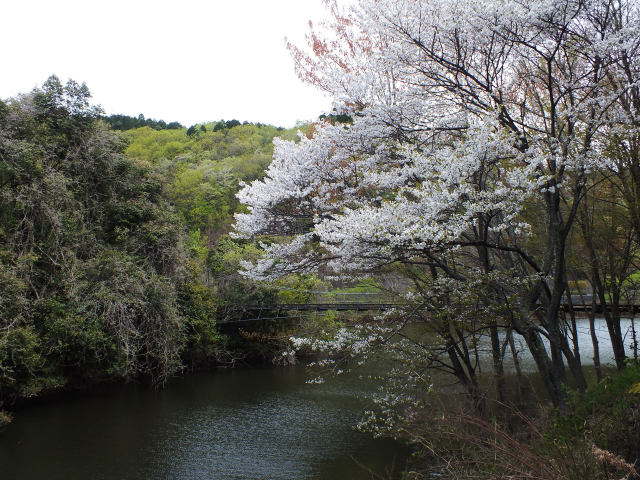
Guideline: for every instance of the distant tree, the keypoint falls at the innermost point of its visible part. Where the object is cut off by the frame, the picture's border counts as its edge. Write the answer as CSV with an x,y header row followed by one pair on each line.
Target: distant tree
x,y
336,118
4,110
125,122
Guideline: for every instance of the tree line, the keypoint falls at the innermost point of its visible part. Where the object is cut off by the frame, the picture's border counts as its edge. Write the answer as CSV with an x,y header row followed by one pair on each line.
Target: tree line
x,y
126,122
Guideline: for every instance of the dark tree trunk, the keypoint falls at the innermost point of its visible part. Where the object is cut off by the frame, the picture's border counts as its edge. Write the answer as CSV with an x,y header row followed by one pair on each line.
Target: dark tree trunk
x,y
634,340
594,341
573,355
498,364
516,363
552,318
466,377
612,319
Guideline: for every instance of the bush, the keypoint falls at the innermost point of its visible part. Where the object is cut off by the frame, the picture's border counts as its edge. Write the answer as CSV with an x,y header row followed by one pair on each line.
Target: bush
x,y
609,415
138,311
21,362
198,307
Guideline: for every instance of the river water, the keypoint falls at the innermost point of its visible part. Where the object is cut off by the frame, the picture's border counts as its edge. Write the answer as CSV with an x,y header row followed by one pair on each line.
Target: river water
x,y
584,340
228,424
243,424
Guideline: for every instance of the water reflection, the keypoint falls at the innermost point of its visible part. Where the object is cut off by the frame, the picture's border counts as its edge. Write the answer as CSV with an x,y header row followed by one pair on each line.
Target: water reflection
x,y
244,424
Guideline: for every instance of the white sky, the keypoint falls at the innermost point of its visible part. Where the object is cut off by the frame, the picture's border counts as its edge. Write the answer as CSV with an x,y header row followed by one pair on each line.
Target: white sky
x,y
188,61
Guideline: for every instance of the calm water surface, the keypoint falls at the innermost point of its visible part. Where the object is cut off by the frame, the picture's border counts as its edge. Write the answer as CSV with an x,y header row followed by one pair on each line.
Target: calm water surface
x,y
229,424
238,424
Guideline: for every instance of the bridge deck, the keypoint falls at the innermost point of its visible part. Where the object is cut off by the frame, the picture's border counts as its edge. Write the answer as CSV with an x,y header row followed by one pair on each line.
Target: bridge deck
x,y
319,307
364,306
258,310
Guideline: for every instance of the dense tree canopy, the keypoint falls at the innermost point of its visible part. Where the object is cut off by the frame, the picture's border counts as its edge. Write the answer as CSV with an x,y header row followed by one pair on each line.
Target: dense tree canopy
x,y
113,243
93,256
203,170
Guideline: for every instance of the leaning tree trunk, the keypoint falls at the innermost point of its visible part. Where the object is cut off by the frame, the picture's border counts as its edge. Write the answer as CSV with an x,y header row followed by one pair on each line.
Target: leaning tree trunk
x,y
573,354
552,314
465,373
594,339
535,345
516,363
612,319
498,363
592,331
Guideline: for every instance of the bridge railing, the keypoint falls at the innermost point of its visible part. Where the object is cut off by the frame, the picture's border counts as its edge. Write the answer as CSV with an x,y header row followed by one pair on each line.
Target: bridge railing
x,y
293,296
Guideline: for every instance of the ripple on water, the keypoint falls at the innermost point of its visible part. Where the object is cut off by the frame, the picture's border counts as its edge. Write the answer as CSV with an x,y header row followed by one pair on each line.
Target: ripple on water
x,y
251,424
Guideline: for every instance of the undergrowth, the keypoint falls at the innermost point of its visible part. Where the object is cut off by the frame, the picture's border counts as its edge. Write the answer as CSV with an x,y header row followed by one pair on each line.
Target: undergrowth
x,y
598,440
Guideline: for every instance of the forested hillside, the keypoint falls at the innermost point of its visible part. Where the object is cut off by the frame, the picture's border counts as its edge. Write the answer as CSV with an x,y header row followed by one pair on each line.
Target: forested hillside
x,y
478,177
202,170
110,241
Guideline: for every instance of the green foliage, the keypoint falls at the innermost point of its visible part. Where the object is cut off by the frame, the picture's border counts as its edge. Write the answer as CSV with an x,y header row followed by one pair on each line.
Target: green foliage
x,y
197,246
204,195
91,251
231,288
21,361
137,309
99,278
297,288
152,146
13,301
199,307
229,124
367,285
609,415
323,326
82,346
336,118
204,166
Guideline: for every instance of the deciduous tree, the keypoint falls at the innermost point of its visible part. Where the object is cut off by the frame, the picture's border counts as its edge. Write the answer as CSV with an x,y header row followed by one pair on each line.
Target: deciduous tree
x,y
465,114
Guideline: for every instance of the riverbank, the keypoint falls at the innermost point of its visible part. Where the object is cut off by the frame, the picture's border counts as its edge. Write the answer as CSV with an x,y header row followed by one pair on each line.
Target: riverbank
x,y
597,439
447,433
240,350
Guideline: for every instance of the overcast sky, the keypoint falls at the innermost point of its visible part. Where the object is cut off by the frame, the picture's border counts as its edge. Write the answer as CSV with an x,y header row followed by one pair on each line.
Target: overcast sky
x,y
188,61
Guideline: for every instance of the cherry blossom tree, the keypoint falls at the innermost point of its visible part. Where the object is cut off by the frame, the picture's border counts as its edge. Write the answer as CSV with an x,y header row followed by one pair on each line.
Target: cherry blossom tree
x,y
474,127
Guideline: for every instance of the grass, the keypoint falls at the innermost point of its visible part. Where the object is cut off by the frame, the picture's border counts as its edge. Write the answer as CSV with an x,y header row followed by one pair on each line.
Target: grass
x,y
598,440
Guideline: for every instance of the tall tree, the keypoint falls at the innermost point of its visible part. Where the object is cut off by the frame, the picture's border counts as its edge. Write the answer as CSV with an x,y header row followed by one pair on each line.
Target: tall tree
x,y
473,123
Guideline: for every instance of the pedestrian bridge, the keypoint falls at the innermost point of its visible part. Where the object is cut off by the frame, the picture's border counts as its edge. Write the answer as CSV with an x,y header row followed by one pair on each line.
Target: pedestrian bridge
x,y
239,315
